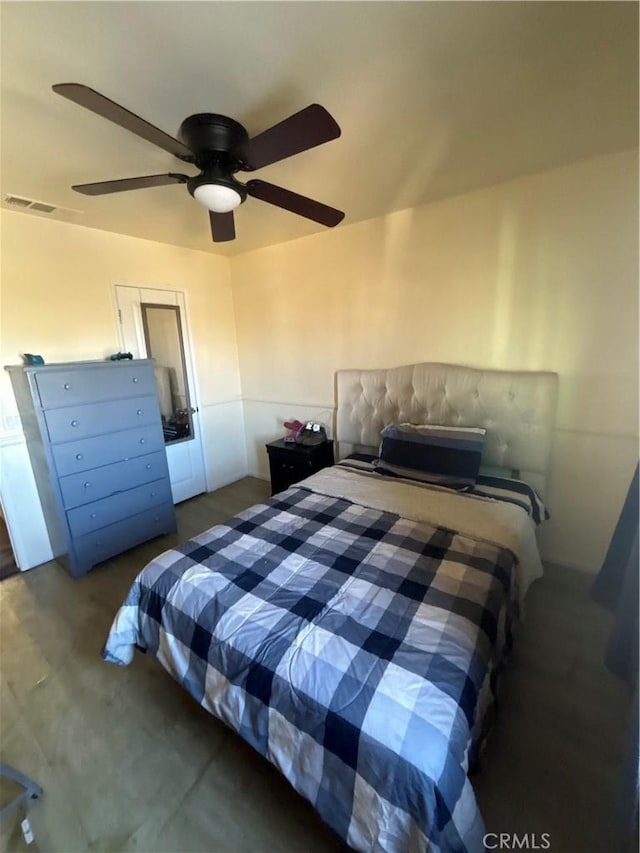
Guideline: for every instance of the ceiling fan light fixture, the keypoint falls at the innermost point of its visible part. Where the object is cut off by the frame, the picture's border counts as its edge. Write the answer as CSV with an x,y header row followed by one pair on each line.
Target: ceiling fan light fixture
x,y
217,197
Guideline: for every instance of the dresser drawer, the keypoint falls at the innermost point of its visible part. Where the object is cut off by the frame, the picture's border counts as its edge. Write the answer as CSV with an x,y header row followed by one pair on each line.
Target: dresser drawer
x,y
105,449
87,486
93,384
102,544
84,519
75,422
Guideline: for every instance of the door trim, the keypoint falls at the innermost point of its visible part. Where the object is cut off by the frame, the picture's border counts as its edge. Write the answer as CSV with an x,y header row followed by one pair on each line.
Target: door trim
x,y
181,301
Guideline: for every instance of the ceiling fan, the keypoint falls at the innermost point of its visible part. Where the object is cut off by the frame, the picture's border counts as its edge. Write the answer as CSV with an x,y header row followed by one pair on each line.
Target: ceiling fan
x,y
219,147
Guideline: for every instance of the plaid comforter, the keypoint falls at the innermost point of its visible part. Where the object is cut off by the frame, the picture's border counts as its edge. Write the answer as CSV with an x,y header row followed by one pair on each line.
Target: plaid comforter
x,y
348,645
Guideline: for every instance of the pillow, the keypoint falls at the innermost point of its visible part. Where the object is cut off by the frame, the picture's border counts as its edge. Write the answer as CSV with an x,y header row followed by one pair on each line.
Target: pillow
x,y
447,456
512,491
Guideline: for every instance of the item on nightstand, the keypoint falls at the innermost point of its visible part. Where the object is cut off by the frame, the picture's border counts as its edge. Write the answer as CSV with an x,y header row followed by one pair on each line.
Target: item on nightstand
x,y
120,356
311,434
30,358
294,428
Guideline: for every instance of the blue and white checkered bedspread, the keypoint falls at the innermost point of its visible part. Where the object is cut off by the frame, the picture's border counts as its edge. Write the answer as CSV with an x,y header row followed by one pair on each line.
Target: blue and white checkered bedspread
x,y
348,645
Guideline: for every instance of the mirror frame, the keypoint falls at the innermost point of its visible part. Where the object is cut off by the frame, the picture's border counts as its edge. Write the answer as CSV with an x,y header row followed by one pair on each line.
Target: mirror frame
x,y
145,327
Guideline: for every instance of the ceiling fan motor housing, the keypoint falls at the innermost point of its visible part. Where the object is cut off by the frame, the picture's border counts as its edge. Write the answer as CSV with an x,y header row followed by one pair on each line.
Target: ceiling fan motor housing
x,y
208,134
215,141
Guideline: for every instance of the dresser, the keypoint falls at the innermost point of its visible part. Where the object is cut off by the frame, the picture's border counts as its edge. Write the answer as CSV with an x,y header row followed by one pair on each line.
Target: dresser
x,y
96,445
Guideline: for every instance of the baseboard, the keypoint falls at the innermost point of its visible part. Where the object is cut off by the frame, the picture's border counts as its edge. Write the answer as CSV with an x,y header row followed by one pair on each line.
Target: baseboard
x,y
258,475
561,565
227,481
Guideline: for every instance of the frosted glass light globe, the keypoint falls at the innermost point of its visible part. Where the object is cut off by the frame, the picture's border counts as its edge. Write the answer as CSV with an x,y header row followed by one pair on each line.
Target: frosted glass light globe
x,y
217,197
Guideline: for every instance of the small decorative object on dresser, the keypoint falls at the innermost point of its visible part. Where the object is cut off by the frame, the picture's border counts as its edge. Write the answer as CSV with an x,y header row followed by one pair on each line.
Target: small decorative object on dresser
x,y
96,446
289,462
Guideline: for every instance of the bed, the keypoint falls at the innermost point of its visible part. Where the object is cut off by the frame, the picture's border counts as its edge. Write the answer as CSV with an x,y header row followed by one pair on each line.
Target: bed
x,y
350,628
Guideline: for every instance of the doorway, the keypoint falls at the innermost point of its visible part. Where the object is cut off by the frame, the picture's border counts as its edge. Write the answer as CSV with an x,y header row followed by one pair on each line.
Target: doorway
x,y
153,324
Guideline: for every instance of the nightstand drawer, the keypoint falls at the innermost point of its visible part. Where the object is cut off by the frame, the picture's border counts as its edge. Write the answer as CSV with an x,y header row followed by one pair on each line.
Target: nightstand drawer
x,y
289,466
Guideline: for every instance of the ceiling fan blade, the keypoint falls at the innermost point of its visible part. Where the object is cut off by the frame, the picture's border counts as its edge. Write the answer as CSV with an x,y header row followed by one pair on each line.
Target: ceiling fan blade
x,y
97,103
295,203
222,227
124,184
310,127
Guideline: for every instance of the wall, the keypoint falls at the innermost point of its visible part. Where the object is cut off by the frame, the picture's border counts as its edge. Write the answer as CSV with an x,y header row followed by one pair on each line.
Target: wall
x,y
58,300
539,273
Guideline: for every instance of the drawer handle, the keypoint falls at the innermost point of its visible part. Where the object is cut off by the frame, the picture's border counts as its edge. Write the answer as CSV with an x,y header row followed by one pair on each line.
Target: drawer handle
x,y
153,494
157,518
66,386
135,379
79,456
74,423
142,440
98,545
139,412
87,484
148,467
94,515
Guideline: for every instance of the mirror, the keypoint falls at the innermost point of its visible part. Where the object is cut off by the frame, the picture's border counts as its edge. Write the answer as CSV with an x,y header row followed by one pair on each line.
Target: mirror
x,y
163,338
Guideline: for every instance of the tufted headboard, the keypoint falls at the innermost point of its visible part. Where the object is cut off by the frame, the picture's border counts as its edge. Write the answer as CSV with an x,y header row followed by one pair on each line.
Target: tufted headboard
x,y
517,408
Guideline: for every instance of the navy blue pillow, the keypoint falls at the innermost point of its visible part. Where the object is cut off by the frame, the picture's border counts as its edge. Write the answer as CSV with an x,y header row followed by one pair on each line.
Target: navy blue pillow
x,y
446,456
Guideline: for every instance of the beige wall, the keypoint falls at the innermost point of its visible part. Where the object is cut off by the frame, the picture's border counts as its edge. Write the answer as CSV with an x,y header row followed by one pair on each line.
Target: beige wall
x,y
539,273
58,296
57,299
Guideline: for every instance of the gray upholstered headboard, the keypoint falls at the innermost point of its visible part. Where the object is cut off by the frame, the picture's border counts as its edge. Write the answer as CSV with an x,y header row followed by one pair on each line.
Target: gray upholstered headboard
x,y
517,408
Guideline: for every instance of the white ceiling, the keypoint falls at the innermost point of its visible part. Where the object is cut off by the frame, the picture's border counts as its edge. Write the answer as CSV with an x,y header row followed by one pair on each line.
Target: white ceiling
x,y
433,98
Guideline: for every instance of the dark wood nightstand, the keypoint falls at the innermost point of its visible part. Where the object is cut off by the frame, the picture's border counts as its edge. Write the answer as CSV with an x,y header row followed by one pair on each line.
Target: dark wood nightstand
x,y
290,462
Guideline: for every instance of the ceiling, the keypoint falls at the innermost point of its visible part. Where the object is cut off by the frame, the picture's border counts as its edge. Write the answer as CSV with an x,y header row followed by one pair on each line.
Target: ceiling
x,y
433,99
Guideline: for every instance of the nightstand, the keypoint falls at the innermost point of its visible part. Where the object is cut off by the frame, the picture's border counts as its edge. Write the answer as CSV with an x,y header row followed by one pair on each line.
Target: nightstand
x,y
290,462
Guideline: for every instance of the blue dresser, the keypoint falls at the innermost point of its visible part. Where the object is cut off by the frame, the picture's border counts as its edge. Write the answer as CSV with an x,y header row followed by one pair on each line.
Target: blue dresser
x,y
96,445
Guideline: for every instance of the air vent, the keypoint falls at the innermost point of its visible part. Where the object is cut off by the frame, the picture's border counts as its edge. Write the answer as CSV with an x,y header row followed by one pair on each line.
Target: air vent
x,y
18,201
43,208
